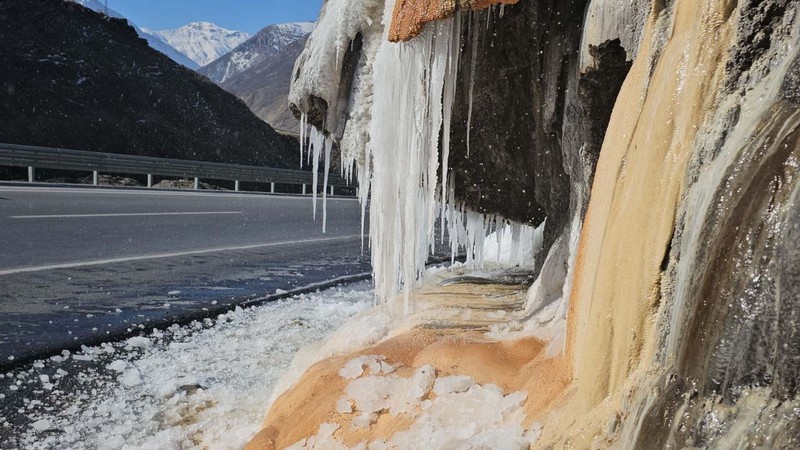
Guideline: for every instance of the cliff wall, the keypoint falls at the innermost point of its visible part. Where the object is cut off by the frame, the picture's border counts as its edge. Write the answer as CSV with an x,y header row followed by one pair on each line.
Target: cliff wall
x,y
658,143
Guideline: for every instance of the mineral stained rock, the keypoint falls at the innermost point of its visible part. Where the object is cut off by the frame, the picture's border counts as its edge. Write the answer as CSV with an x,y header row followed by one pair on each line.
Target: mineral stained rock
x,y
660,140
411,15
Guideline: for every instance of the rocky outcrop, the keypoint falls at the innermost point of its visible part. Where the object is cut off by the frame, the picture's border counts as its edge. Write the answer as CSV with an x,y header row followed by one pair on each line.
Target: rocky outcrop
x,y
88,82
409,16
660,140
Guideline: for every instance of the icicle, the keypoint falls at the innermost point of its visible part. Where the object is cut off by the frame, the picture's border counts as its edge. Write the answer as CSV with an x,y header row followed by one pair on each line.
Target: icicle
x,y
316,142
473,63
409,81
328,144
302,136
515,243
500,229
451,77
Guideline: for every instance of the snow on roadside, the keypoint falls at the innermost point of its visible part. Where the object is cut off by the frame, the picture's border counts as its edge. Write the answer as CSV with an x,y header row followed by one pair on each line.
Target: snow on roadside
x,y
202,385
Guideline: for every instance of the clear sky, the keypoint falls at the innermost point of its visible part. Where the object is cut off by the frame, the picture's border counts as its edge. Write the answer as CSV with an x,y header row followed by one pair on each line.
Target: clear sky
x,y
244,15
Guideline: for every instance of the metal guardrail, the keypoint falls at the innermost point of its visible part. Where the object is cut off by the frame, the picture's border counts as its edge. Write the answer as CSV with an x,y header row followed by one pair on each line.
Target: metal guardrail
x,y
96,162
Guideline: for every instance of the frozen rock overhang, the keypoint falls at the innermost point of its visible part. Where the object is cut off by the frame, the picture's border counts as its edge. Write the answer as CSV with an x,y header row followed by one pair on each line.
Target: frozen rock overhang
x,y
411,15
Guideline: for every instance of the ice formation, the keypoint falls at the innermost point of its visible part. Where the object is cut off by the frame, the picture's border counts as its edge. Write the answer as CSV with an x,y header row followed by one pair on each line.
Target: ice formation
x,y
447,412
665,310
406,91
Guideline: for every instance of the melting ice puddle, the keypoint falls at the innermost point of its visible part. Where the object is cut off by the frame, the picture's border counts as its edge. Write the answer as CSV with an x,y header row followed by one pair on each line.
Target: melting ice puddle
x,y
206,384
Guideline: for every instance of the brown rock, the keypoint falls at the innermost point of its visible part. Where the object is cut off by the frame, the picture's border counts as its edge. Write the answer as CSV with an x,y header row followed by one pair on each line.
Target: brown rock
x,y
410,15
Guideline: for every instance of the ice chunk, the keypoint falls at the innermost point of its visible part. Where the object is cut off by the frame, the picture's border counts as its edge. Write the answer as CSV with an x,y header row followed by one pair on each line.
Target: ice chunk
x,y
42,425
343,406
386,368
452,384
392,393
139,342
364,420
355,367
117,366
130,377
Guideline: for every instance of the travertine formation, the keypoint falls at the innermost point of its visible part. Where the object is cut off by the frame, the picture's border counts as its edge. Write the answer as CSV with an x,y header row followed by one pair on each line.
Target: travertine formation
x,y
661,142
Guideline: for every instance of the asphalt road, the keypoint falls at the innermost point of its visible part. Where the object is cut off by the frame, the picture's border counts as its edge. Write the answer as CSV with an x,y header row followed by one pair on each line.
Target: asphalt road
x,y
78,264
57,227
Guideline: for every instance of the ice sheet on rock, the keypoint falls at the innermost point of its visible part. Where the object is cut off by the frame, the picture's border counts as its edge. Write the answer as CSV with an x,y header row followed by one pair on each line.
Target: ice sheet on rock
x,y
355,367
392,393
461,414
319,66
203,385
452,385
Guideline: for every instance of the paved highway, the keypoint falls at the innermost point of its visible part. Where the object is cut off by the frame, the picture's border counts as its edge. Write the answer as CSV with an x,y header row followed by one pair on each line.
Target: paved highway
x,y
77,264
61,227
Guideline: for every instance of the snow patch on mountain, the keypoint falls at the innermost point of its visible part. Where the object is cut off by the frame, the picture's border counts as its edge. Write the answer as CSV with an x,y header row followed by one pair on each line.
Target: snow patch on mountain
x,y
260,49
202,42
152,39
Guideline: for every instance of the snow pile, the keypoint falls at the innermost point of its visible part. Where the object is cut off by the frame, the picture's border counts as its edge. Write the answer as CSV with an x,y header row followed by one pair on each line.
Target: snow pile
x,y
360,331
448,412
203,385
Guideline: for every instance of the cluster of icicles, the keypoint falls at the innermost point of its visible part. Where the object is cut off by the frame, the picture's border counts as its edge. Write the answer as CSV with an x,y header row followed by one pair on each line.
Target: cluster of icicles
x,y
414,88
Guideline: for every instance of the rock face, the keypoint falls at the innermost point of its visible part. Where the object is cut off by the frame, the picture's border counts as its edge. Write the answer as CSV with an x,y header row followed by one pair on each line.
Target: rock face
x,y
660,141
88,82
410,16
259,71
155,41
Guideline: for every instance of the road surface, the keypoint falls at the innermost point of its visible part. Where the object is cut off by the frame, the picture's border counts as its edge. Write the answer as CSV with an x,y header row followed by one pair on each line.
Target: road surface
x,y
78,264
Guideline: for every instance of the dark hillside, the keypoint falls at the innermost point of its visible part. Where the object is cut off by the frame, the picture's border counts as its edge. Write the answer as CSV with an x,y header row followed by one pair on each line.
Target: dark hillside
x,y
73,78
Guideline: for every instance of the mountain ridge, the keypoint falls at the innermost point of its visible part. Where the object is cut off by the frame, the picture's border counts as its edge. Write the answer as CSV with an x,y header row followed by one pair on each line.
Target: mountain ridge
x,y
259,71
202,42
89,82
155,41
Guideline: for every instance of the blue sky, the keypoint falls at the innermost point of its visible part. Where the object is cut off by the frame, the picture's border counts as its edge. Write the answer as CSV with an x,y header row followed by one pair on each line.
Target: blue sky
x,y
244,15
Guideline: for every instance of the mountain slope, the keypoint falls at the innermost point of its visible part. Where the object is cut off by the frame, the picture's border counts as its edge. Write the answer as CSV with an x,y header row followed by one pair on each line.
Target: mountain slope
x,y
89,82
259,71
152,39
202,42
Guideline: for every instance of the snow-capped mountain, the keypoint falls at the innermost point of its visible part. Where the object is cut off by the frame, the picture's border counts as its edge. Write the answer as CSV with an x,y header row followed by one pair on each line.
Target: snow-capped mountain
x,y
258,50
259,71
152,39
202,42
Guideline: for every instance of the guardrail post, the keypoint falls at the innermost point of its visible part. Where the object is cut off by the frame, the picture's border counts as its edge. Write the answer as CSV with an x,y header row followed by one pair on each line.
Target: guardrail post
x,y
149,180
272,188
304,189
95,177
236,185
331,190
31,174
196,183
